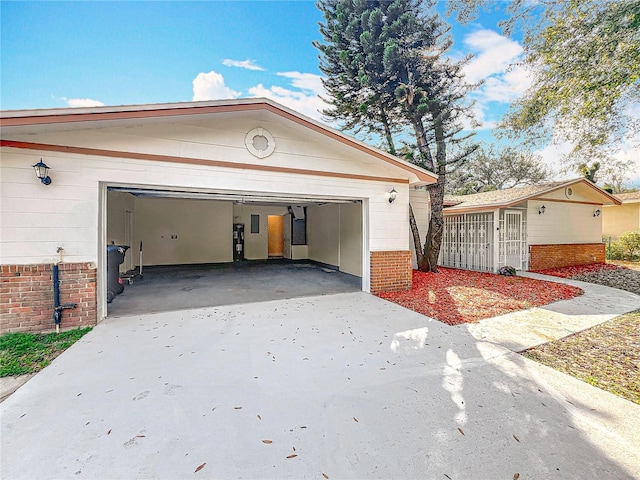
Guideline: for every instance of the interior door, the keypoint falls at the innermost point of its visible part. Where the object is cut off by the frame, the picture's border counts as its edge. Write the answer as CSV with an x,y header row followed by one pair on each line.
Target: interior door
x,y
275,234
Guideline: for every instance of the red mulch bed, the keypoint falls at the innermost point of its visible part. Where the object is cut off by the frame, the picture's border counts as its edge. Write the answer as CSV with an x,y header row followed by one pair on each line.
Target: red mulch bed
x,y
461,296
570,272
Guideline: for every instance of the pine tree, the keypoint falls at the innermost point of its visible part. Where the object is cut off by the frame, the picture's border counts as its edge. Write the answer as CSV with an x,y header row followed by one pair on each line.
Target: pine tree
x,y
385,71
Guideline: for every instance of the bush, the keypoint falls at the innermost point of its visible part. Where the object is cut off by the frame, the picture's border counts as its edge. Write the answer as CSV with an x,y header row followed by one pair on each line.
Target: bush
x,y
626,247
614,251
630,244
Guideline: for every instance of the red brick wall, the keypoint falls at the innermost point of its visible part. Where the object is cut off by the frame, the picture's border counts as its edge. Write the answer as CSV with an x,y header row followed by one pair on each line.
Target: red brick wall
x,y
566,255
26,296
390,271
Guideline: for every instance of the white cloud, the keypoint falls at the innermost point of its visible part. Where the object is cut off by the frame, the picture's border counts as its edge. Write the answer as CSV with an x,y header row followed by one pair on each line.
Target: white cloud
x,y
495,62
306,99
494,54
553,153
247,64
631,153
309,105
210,86
83,102
507,87
305,81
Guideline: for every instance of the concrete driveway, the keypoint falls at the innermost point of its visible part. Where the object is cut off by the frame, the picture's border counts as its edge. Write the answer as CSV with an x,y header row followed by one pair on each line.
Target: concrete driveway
x,y
340,386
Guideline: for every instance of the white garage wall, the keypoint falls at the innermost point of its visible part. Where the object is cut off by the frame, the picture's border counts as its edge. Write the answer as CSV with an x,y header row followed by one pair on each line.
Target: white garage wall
x,y
182,231
222,138
351,238
118,204
323,233
256,245
334,236
36,219
420,204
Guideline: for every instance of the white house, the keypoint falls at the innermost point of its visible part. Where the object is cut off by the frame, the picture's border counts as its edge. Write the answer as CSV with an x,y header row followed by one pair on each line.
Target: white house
x,y
530,228
178,177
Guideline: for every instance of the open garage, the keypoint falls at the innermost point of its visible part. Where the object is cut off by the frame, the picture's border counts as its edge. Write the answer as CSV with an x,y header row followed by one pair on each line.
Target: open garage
x,y
188,181
206,249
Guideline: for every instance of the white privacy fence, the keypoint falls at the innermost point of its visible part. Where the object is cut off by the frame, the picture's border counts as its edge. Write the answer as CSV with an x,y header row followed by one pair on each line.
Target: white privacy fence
x,y
467,242
473,241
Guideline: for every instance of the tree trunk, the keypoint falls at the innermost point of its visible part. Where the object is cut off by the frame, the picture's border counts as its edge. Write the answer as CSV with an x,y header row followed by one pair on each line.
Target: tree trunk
x,y
433,241
417,244
436,227
423,146
387,132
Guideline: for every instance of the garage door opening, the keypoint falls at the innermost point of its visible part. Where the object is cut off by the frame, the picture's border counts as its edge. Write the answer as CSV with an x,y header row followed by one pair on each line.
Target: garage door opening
x,y
211,248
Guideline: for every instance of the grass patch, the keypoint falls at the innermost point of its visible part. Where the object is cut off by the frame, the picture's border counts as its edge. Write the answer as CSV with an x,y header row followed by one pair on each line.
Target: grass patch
x,y
606,356
22,353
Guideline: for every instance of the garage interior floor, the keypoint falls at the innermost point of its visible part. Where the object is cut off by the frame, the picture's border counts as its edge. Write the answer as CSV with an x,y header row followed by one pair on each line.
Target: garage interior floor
x,y
179,287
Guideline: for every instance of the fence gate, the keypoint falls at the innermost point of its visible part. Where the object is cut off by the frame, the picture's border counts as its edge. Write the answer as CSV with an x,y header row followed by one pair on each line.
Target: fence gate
x,y
467,242
513,239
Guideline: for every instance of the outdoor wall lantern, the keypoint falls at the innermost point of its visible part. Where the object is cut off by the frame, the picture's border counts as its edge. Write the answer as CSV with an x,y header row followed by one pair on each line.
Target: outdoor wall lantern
x,y
596,213
42,170
542,210
392,195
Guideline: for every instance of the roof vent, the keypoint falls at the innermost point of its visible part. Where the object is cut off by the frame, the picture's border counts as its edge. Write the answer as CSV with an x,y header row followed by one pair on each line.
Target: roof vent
x,y
568,192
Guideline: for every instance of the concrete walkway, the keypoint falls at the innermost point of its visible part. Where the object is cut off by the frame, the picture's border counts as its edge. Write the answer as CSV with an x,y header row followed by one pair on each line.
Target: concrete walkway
x,y
341,386
529,328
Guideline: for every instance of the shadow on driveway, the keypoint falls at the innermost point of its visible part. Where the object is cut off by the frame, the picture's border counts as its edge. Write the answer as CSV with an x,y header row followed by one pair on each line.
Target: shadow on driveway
x,y
348,386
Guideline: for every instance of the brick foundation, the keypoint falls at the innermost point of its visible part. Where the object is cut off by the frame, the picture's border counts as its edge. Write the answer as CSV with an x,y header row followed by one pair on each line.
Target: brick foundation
x,y
26,296
390,271
566,255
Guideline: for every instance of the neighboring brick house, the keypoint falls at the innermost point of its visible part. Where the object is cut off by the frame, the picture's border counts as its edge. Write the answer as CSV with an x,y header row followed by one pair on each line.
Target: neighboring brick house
x,y
530,228
180,177
617,219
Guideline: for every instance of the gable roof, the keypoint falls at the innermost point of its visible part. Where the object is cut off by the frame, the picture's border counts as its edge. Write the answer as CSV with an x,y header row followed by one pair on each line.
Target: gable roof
x,y
513,196
22,121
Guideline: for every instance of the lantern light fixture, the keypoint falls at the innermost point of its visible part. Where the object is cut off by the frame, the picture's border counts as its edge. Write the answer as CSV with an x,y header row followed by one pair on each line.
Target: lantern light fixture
x,y
392,195
42,171
597,213
541,210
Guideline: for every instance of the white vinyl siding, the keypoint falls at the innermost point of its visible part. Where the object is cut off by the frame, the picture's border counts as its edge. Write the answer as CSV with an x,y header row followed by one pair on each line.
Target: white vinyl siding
x,y
563,223
36,219
419,199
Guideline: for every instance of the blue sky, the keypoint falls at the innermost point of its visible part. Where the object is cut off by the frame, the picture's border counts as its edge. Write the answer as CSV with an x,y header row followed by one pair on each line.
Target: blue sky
x,y
84,53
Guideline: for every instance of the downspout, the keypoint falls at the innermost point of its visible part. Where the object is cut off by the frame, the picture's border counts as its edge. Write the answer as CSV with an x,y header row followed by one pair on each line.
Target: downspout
x,y
58,308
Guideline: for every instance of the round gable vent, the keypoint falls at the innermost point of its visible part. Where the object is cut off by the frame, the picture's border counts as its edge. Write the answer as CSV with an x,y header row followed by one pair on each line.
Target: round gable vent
x,y
568,192
260,142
